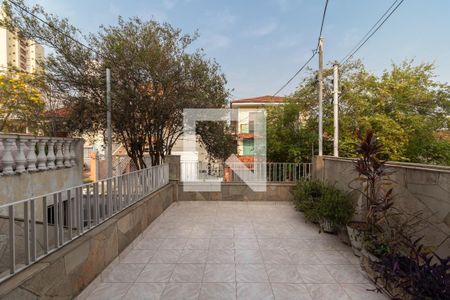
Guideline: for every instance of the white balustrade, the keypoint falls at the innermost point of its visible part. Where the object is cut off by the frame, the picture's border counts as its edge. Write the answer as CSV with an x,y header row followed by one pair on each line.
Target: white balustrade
x,y
42,157
19,153
31,157
59,154
8,159
66,152
51,154
73,155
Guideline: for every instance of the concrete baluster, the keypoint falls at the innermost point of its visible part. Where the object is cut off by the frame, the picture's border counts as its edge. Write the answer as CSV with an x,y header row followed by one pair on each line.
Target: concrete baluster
x,y
20,159
59,153
31,156
51,154
66,153
42,157
73,154
7,159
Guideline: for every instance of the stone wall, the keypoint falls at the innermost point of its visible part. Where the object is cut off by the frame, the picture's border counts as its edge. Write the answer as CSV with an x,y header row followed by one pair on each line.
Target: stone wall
x,y
66,272
417,187
236,191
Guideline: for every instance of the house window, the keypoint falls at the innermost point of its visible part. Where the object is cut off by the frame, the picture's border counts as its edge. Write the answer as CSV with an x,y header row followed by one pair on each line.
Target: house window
x,y
248,147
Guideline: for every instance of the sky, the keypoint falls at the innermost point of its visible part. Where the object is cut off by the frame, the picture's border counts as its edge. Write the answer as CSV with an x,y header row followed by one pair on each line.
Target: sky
x,y
261,44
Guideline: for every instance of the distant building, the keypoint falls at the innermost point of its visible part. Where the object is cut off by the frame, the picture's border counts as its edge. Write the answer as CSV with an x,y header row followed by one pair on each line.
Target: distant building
x,y
19,53
244,126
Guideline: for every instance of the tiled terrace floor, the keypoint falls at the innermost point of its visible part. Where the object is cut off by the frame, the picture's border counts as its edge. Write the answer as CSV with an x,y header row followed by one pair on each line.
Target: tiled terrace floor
x,y
233,250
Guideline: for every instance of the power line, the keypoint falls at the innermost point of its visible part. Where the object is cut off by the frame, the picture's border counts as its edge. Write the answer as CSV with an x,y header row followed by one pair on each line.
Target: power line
x,y
53,27
323,20
370,33
312,56
296,73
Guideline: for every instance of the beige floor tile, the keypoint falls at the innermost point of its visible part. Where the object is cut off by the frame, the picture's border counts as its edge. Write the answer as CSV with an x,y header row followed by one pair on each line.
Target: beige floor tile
x,y
347,273
246,244
188,273
123,273
193,256
289,291
156,273
197,244
137,256
218,291
331,258
109,291
221,243
163,256
222,256
283,273
185,291
315,274
173,243
220,273
363,291
149,244
251,273
327,292
145,291
254,291
248,256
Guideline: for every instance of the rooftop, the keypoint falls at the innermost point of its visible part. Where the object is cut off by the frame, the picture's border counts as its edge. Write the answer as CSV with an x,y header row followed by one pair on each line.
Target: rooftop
x,y
261,99
233,250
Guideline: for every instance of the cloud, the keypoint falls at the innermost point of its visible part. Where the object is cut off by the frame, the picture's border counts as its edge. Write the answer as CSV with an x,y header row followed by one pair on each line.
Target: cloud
x,y
263,30
212,41
169,4
221,19
285,5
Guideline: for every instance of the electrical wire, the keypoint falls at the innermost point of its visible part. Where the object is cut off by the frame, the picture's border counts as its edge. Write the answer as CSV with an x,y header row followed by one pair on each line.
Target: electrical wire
x,y
53,27
372,31
312,56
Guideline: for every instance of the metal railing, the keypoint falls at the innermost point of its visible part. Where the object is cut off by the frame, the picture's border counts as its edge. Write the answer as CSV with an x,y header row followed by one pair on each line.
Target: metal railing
x,y
38,226
272,172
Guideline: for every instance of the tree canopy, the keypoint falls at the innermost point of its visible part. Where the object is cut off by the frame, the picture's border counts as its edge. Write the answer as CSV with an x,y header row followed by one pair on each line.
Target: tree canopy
x,y
405,106
156,73
21,103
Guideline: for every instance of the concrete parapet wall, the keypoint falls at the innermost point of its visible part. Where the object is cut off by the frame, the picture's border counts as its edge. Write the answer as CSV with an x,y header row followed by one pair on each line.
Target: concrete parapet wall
x,y
417,187
31,184
236,191
66,272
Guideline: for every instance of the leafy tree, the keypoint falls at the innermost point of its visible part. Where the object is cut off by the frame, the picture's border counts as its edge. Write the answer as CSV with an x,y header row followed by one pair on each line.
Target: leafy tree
x,y
154,77
403,106
21,104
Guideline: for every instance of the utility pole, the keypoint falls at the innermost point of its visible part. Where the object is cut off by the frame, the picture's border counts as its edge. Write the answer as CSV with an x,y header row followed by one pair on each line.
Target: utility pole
x,y
336,109
320,96
108,122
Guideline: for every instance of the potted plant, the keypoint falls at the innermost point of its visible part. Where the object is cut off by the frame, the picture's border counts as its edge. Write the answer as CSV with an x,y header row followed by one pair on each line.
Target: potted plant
x,y
308,194
334,210
410,272
377,198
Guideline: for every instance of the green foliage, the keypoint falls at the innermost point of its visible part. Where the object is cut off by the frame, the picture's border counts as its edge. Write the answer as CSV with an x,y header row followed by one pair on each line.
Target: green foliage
x,y
322,201
335,207
287,139
405,106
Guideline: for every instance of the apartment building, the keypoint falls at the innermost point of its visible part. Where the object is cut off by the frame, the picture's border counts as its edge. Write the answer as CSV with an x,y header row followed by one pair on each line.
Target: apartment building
x,y
19,53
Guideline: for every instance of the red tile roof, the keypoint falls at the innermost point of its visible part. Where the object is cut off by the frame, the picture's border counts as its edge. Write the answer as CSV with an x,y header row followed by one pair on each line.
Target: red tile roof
x,y
261,99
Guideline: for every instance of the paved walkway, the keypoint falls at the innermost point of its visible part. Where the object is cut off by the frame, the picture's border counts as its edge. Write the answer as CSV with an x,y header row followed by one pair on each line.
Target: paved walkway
x,y
233,250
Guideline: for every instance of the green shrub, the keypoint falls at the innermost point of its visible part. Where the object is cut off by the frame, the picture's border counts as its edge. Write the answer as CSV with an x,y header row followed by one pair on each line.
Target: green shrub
x,y
308,194
322,201
335,206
